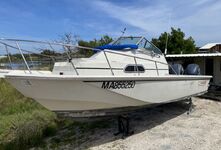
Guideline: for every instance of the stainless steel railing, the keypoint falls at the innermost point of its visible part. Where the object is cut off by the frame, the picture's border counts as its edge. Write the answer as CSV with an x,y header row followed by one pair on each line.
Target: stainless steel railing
x,y
51,44
135,61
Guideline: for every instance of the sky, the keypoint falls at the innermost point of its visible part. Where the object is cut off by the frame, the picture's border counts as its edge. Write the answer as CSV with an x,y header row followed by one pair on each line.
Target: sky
x,y
89,19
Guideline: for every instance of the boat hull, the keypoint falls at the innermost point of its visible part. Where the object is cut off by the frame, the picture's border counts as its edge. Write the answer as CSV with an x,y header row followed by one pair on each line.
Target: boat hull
x,y
76,94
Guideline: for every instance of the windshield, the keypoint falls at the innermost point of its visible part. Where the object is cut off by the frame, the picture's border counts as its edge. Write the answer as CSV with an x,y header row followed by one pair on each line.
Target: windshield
x,y
127,40
144,44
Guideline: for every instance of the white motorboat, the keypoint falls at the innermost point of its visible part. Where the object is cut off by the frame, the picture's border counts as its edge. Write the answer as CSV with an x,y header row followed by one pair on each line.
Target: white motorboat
x,y
128,72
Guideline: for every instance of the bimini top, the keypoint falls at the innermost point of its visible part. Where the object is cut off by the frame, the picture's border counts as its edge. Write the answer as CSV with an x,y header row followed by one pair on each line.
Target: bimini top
x,y
130,43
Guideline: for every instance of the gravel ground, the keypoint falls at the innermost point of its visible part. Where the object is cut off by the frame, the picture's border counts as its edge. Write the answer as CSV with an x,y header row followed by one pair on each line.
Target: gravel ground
x,y
162,128
174,129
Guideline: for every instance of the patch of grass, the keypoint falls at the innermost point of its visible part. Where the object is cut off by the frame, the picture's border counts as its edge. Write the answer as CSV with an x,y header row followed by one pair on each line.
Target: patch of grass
x,y
23,122
75,133
78,131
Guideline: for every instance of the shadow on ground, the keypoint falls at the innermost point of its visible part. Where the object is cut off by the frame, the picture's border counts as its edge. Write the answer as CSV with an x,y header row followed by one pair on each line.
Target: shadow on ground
x,y
86,133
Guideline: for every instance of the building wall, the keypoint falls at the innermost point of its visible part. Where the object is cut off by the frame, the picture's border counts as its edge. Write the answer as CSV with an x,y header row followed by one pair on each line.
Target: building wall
x,y
201,62
216,48
217,71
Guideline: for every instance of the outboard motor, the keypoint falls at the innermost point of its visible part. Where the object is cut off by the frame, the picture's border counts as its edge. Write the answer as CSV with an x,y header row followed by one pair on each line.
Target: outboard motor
x,y
192,69
176,69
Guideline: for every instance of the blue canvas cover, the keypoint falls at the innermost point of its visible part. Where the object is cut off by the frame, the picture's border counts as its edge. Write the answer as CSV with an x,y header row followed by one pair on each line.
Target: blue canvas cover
x,y
118,47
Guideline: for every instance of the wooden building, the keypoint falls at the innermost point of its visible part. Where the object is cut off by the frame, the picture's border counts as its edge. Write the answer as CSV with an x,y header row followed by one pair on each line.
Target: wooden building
x,y
211,48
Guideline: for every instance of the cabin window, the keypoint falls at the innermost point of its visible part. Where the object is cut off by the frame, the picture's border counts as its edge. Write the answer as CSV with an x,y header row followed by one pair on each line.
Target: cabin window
x,y
134,68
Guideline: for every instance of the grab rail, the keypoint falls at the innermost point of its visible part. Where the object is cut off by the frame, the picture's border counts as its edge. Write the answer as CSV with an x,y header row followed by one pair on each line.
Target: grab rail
x,y
108,63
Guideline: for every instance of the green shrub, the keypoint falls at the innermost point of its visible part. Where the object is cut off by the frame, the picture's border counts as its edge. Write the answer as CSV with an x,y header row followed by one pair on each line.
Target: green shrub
x,y
23,122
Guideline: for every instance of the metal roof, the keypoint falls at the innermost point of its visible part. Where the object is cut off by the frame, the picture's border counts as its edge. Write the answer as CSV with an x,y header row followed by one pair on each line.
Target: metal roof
x,y
194,55
209,45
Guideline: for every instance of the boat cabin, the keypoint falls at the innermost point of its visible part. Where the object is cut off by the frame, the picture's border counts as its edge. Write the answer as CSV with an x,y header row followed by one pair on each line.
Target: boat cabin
x,y
126,56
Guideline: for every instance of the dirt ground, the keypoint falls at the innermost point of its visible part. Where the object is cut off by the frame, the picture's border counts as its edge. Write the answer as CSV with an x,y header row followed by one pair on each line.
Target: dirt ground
x,y
161,128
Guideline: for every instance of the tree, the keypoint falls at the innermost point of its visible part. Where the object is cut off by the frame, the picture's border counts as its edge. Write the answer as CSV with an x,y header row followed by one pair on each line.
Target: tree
x,y
69,38
176,42
93,44
49,52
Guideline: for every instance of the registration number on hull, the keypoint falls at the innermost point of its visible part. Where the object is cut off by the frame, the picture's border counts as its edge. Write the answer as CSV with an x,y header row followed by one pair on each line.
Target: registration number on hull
x,y
118,84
